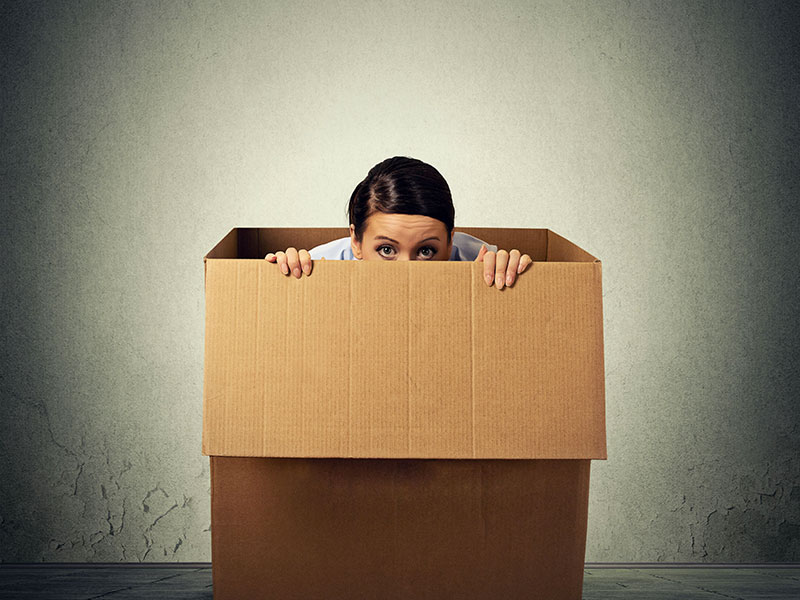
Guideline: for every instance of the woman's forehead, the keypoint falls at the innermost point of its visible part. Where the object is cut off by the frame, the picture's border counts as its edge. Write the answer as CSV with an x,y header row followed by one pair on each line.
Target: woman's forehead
x,y
401,226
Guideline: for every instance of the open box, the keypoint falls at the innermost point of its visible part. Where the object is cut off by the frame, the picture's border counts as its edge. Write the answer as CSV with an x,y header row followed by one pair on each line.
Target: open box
x,y
401,429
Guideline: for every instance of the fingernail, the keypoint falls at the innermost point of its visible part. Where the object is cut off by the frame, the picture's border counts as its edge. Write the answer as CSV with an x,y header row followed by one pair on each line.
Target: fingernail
x,y
296,272
509,280
285,269
499,282
306,269
489,279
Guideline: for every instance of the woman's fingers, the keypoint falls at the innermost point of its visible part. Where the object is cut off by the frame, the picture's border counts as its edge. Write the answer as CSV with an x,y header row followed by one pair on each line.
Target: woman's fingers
x,y
489,259
500,269
293,261
280,258
524,263
513,264
305,261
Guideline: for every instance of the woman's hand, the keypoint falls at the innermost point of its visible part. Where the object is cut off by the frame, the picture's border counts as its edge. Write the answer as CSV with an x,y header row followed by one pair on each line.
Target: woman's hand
x,y
502,267
292,261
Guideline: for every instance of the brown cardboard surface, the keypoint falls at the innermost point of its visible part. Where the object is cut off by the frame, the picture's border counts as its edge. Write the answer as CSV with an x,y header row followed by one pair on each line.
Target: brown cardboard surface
x,y
398,528
402,360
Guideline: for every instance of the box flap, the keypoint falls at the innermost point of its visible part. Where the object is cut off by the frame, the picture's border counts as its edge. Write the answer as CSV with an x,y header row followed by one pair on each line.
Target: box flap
x,y
403,359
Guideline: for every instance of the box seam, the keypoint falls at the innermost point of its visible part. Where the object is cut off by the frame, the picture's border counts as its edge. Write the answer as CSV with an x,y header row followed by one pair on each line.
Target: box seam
x,y
472,352
349,358
408,359
547,246
304,398
264,436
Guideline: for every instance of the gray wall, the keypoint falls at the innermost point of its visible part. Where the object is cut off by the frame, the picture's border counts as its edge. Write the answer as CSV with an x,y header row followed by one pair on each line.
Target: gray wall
x,y
662,137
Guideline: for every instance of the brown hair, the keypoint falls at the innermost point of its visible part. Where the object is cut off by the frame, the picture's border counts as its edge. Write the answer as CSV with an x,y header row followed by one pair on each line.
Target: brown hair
x,y
402,185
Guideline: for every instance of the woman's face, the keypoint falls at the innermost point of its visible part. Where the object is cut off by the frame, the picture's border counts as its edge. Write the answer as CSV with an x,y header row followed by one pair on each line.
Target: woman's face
x,y
401,237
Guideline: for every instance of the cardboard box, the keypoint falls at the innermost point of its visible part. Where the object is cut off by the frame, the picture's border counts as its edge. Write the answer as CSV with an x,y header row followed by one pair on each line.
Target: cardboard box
x,y
400,429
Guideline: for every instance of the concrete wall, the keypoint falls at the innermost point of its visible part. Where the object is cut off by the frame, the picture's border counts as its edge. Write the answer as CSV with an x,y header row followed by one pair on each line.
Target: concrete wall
x,y
662,137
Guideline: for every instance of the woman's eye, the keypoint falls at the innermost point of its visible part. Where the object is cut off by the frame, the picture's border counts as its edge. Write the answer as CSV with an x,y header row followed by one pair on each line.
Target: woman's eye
x,y
426,252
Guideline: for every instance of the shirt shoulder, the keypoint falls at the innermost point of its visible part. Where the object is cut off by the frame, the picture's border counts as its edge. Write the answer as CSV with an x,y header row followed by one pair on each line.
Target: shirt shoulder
x,y
334,250
466,247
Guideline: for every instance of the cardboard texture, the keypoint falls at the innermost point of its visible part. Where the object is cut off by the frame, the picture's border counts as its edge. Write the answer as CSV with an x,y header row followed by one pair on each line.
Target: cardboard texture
x,y
401,429
398,528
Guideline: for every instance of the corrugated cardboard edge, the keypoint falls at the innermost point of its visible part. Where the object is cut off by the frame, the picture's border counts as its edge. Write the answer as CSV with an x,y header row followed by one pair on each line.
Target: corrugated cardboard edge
x,y
559,249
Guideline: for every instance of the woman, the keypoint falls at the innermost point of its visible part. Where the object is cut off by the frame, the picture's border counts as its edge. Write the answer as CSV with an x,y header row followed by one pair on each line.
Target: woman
x,y
403,210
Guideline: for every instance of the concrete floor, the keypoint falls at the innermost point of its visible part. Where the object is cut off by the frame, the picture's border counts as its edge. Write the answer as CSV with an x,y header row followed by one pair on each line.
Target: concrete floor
x,y
193,581
692,582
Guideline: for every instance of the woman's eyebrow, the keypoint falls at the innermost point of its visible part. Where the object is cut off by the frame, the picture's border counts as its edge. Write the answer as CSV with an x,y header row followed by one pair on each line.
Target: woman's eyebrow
x,y
383,237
